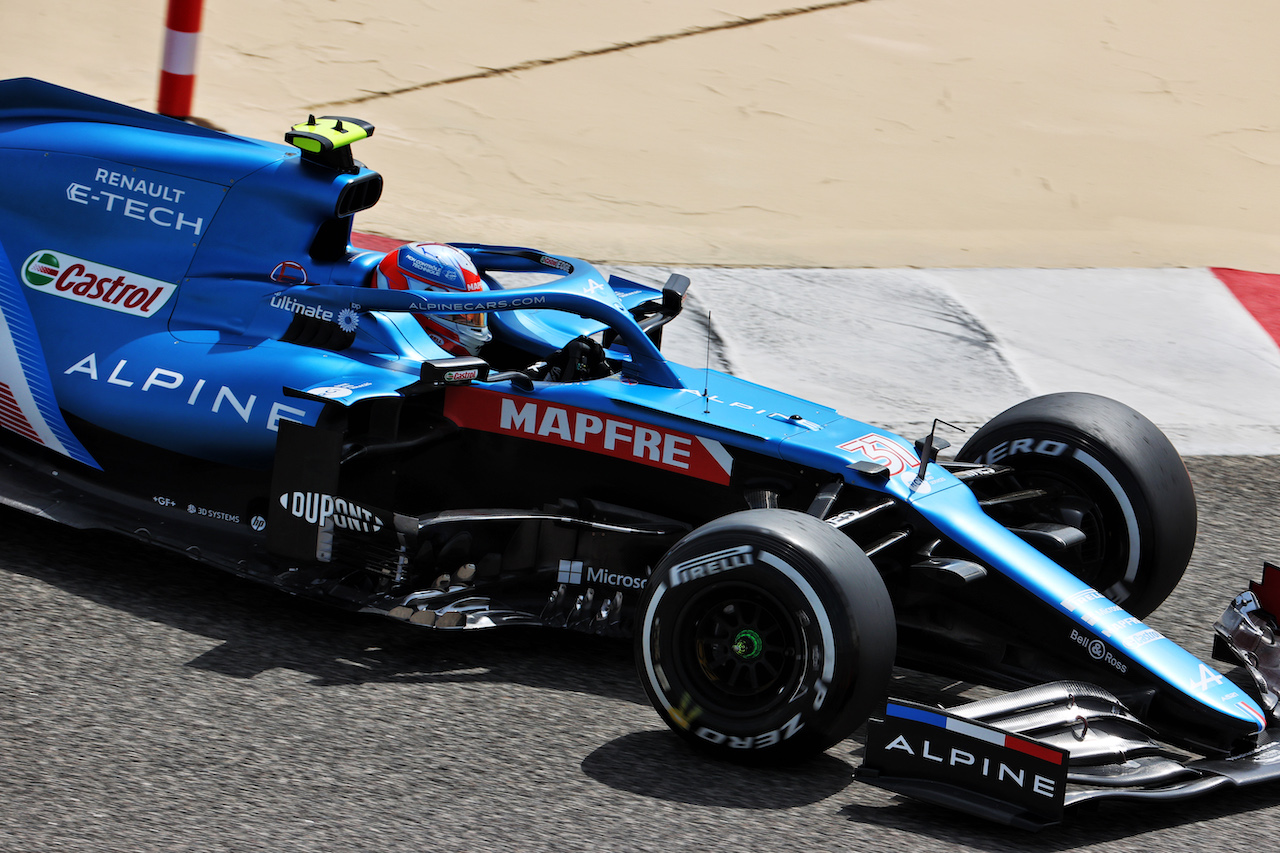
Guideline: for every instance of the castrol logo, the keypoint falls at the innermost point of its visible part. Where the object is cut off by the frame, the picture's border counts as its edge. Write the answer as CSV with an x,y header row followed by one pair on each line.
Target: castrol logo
x,y
95,284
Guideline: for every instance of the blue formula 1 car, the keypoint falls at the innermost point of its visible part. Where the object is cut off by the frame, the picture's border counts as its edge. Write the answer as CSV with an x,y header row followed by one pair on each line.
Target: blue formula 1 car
x,y
193,354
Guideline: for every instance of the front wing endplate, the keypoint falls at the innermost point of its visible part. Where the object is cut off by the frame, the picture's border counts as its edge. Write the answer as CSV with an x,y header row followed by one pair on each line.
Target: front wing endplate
x,y
1023,758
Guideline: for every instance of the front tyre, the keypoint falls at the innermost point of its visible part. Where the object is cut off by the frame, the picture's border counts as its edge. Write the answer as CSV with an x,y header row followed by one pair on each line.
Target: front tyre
x,y
1101,467
765,636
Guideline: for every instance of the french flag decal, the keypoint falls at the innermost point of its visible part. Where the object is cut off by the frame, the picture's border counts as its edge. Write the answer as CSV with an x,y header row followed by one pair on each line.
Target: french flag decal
x,y
983,733
939,757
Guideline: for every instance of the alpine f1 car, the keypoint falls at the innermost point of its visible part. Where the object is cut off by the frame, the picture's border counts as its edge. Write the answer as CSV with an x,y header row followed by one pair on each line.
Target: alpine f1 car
x,y
193,354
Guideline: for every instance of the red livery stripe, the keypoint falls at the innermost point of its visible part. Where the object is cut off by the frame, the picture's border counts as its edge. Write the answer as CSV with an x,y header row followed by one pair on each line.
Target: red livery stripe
x,y
12,417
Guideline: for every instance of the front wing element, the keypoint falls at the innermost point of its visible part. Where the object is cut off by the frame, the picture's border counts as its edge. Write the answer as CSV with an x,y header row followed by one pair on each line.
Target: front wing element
x,y
1022,758
1246,634
946,759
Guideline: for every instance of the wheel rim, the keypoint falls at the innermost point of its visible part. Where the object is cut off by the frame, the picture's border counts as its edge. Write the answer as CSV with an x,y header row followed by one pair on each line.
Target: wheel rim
x,y
1085,503
744,649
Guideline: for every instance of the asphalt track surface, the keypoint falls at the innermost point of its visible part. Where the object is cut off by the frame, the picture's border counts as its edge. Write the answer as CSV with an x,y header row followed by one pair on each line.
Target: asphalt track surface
x,y
150,703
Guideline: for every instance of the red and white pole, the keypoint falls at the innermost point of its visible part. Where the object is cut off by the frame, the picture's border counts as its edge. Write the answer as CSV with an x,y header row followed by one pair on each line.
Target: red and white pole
x,y
178,68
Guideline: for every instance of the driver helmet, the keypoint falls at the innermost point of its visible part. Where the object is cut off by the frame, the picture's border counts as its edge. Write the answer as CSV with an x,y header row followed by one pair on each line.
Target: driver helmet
x,y
444,269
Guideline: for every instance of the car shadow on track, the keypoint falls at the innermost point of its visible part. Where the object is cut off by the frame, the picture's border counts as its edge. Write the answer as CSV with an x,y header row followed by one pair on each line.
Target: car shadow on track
x,y
258,629
678,774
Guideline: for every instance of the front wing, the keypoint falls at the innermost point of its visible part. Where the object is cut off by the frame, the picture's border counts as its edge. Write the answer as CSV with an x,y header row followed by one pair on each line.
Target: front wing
x,y
1023,758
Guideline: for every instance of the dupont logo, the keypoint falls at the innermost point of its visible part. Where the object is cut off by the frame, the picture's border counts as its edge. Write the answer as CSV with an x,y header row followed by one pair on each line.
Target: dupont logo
x,y
95,284
319,509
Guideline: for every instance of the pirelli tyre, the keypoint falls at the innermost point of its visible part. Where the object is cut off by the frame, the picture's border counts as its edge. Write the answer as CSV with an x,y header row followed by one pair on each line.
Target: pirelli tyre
x,y
765,636
1098,466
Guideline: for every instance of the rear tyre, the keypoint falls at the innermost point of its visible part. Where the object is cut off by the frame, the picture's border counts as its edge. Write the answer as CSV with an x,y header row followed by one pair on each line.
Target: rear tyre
x,y
1106,470
765,636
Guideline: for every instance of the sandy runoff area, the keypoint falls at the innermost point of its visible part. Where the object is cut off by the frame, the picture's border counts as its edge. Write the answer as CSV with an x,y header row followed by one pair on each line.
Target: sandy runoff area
x,y
881,133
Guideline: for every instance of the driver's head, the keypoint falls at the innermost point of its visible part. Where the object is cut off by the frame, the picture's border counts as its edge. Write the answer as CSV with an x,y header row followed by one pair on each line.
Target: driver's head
x,y
442,268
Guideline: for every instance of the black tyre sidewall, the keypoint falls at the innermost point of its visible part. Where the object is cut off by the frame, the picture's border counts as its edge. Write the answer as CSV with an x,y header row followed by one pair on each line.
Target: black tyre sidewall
x,y
811,573
1062,433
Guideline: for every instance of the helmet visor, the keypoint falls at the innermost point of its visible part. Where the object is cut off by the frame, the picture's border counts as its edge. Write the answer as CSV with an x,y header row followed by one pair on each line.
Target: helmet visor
x,y
476,321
